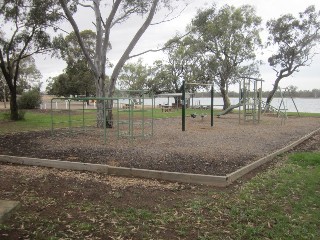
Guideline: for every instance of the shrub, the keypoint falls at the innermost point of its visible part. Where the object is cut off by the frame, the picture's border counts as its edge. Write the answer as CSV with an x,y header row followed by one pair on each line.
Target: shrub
x,y
30,99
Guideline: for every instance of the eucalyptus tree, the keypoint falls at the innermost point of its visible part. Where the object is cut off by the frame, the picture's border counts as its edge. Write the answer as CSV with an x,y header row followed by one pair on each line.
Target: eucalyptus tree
x,y
294,39
78,77
135,76
29,75
228,38
25,33
117,12
182,63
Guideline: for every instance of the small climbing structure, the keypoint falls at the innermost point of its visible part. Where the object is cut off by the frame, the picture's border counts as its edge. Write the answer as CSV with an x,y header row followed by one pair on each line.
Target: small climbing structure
x,y
250,100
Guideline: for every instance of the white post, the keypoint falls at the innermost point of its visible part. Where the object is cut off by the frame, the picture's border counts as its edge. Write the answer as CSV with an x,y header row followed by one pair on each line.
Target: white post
x,y
86,104
56,105
45,106
66,104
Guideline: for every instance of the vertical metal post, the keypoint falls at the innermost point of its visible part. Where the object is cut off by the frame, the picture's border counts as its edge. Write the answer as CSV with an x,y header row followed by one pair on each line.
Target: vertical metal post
x,y
212,105
143,116
104,121
241,98
260,100
131,118
83,114
118,119
69,109
152,113
183,106
51,118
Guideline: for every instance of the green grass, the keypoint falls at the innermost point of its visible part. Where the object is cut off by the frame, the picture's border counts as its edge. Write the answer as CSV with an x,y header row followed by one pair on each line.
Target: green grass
x,y
282,203
36,120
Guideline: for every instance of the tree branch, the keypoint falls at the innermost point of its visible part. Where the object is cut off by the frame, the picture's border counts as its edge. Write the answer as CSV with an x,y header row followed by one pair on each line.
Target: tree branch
x,y
77,32
85,5
107,30
168,20
160,49
124,16
130,47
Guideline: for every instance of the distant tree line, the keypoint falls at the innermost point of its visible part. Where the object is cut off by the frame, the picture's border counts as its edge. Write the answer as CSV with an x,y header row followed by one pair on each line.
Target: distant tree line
x,y
314,93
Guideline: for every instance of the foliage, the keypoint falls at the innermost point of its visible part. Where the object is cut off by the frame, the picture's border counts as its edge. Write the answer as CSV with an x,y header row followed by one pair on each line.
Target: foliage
x,y
29,75
134,76
228,38
295,39
30,99
78,78
183,63
118,12
26,34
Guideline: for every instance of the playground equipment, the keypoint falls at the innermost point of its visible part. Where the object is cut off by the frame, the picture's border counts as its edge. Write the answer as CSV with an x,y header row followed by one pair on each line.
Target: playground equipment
x,y
250,90
281,110
136,124
130,120
250,97
184,103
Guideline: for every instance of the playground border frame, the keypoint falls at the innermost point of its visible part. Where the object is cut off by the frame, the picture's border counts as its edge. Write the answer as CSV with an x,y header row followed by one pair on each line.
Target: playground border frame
x,y
210,180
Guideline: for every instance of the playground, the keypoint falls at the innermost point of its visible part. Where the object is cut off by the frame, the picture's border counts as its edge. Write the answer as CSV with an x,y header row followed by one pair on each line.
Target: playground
x,y
201,149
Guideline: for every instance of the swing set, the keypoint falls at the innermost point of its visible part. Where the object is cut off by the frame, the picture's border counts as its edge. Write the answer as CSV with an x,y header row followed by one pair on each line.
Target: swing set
x,y
184,103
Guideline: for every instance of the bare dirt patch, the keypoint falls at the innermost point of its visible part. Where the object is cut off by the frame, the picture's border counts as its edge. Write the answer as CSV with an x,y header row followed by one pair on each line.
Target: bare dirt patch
x,y
201,149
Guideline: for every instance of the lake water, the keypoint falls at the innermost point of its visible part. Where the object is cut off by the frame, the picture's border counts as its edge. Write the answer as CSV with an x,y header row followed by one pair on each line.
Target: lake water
x,y
309,105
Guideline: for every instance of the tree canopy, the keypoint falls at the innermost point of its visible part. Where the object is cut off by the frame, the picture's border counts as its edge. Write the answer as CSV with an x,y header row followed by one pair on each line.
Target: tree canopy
x,y
294,40
78,78
26,34
228,38
118,11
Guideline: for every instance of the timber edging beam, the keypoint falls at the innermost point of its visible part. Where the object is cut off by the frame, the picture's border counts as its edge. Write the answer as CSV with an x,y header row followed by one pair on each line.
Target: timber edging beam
x,y
211,180
219,181
246,169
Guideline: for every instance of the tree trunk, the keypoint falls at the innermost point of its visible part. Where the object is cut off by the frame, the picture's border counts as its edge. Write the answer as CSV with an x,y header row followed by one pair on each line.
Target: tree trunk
x,y
14,112
225,97
125,57
271,94
100,93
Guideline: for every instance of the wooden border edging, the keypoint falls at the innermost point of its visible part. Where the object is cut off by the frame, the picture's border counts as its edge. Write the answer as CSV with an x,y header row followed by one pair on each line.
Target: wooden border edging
x,y
211,180
219,181
246,169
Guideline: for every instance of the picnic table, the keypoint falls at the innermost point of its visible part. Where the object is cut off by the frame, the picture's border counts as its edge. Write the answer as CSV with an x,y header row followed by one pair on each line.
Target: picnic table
x,y
166,108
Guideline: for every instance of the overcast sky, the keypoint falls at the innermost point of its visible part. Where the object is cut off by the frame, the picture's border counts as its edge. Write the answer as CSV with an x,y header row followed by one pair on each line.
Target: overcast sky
x,y
157,35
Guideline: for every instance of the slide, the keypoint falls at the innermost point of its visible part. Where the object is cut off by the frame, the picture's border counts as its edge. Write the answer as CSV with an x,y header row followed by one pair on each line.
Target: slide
x,y
229,109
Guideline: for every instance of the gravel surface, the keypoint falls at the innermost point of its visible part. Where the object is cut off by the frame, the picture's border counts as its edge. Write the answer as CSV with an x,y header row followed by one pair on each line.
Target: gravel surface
x,y
201,149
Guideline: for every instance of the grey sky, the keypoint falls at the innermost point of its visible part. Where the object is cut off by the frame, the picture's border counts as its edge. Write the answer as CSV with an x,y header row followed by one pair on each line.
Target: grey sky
x,y
157,35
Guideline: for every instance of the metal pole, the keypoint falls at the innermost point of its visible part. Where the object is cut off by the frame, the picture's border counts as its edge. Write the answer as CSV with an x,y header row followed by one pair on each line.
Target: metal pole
x,y
51,118
183,106
83,114
152,114
212,105
69,110
104,121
